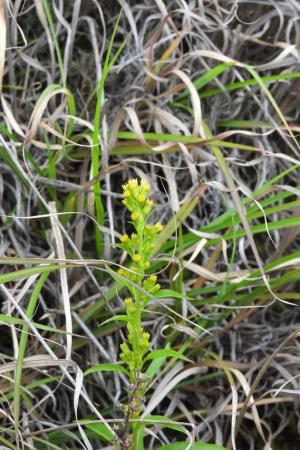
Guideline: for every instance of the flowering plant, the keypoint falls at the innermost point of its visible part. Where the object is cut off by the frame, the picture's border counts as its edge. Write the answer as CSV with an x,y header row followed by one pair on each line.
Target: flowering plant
x,y
138,246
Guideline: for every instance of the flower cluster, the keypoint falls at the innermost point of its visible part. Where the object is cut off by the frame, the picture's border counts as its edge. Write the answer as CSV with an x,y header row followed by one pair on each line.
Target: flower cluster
x,y
139,246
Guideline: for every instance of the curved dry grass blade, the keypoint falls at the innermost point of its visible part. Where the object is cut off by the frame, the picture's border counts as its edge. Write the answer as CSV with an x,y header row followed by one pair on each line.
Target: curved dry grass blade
x,y
40,108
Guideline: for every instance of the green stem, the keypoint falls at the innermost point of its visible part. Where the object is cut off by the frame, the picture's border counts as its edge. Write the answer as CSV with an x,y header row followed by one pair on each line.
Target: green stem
x,y
138,298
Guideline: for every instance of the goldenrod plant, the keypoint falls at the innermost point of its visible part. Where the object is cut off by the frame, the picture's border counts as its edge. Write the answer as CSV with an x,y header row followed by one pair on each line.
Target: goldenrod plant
x,y
138,246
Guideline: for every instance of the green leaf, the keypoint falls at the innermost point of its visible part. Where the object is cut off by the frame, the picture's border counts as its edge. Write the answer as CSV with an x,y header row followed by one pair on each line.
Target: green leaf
x,y
154,367
195,446
170,293
165,422
16,321
33,301
97,151
250,82
23,273
140,437
106,368
102,430
208,76
166,353
121,317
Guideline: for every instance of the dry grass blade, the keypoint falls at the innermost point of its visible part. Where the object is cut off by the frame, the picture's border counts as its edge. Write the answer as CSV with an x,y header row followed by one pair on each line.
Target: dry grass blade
x,y
259,376
2,42
37,113
63,278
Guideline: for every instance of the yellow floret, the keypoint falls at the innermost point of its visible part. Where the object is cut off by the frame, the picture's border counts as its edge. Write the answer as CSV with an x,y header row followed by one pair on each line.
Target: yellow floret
x,y
124,238
135,216
149,203
153,278
121,271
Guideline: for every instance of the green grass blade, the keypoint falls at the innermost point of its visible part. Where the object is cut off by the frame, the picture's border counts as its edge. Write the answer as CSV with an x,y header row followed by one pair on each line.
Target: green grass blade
x,y
96,151
22,347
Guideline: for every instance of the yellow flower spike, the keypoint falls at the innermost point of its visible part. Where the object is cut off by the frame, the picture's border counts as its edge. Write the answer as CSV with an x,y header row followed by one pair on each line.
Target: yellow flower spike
x,y
136,258
136,198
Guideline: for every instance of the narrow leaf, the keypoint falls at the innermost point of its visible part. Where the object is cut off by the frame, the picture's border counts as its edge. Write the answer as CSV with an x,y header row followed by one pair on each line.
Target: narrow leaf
x,y
106,368
166,353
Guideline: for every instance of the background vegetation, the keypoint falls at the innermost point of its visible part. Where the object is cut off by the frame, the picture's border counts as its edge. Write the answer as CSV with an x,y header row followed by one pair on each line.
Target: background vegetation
x,y
200,98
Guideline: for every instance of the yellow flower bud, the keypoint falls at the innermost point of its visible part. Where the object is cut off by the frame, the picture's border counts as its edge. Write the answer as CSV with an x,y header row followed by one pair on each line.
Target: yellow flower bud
x,y
146,336
135,216
121,271
136,258
124,238
141,198
158,227
126,194
153,278
147,265
128,301
133,183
